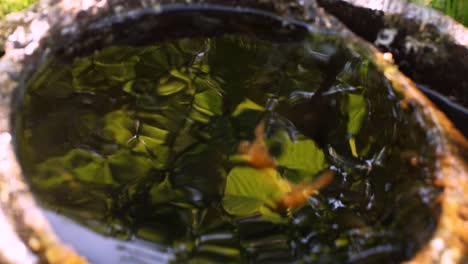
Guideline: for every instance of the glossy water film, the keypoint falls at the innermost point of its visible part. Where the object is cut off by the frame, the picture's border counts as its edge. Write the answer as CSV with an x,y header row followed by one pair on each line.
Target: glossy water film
x,y
159,146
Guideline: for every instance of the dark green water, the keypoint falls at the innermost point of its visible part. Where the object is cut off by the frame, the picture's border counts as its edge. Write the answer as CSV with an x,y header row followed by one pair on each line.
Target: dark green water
x,y
140,144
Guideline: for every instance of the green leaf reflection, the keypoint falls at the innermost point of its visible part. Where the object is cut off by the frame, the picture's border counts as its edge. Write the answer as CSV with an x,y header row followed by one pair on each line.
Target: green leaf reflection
x,y
356,112
303,155
251,191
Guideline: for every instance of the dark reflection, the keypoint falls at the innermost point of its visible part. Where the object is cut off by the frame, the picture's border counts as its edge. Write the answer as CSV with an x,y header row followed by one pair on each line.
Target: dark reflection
x,y
138,144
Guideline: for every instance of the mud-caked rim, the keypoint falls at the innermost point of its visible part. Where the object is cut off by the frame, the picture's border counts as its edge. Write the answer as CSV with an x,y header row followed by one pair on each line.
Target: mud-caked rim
x,y
34,34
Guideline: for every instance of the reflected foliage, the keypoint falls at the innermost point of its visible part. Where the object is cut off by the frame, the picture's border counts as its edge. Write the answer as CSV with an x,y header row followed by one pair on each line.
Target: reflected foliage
x,y
142,143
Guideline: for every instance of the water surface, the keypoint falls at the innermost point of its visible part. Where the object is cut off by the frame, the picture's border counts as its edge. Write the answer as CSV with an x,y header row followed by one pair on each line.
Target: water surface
x,y
139,145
